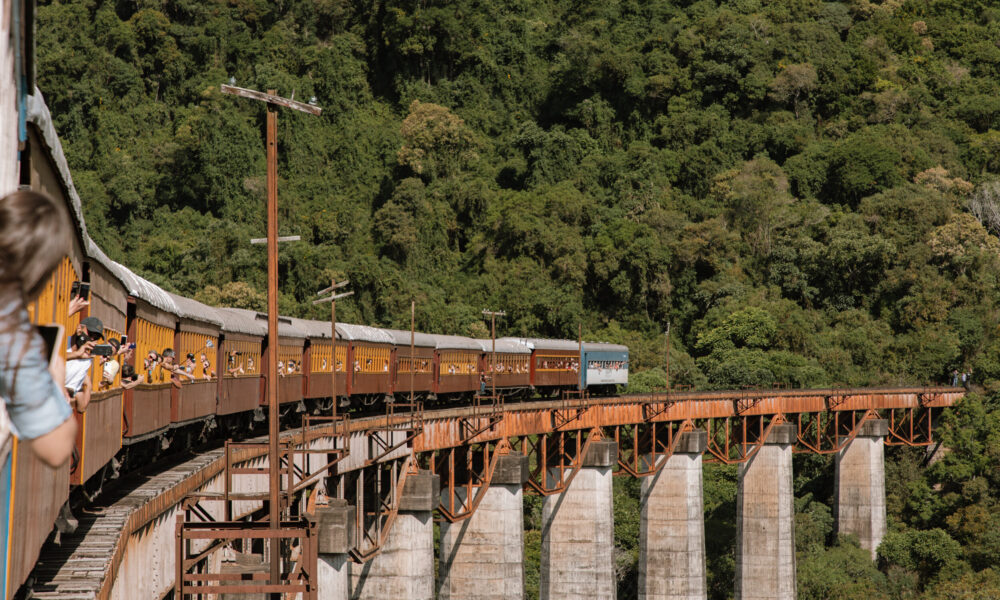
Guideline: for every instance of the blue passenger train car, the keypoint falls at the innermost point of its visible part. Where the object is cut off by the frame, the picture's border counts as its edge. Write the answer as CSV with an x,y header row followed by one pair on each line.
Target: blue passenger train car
x,y
604,367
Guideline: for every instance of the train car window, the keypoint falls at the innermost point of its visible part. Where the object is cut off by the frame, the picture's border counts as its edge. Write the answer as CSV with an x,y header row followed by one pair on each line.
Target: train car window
x,y
199,345
341,358
53,303
152,338
459,363
416,364
554,363
290,358
368,359
320,358
97,370
247,358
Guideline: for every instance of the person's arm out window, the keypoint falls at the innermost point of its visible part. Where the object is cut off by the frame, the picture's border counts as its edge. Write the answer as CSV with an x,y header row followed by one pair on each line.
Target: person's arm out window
x,y
37,405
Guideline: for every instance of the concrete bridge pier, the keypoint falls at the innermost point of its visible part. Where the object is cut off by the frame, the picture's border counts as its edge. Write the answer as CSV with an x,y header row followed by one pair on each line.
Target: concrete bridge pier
x,y
765,521
672,526
578,532
405,566
860,485
482,557
335,536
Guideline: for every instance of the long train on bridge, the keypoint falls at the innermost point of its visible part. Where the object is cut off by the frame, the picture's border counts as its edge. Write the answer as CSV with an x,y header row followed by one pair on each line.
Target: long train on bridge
x,y
373,365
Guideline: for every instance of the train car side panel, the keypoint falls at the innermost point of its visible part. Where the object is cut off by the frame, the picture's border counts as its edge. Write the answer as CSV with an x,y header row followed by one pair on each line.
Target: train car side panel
x,y
605,367
240,389
371,368
195,399
148,412
100,428
419,366
459,371
37,494
556,368
321,364
149,409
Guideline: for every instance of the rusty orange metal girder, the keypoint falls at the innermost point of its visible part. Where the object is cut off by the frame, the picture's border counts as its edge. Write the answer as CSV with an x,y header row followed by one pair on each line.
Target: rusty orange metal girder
x,y
555,458
449,428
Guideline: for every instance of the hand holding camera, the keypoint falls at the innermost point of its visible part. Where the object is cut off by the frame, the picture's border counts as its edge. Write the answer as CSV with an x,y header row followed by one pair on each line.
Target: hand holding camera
x,y
79,297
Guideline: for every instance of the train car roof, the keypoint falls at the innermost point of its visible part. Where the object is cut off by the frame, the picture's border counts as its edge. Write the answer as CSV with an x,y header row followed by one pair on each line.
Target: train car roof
x,y
505,345
240,320
402,338
544,344
363,333
455,342
547,344
195,311
38,114
313,329
237,320
603,347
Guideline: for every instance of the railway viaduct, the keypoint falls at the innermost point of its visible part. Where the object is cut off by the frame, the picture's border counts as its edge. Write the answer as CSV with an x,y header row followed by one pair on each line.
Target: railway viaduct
x,y
388,478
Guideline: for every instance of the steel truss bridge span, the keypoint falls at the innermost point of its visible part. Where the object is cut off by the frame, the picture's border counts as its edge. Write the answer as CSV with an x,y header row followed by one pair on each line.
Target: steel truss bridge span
x,y
366,463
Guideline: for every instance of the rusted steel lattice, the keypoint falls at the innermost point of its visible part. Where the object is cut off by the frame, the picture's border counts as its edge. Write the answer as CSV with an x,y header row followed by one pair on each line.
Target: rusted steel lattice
x,y
466,473
375,491
555,458
643,448
737,439
195,540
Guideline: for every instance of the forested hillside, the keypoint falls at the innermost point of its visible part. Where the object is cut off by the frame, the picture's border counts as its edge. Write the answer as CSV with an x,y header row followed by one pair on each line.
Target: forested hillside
x,y
807,191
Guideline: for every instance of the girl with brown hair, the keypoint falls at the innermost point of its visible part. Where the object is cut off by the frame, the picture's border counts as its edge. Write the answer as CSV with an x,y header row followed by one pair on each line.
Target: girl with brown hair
x,y
35,234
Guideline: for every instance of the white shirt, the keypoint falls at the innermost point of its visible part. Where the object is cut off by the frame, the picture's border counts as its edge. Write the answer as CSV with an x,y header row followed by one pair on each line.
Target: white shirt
x,y
76,373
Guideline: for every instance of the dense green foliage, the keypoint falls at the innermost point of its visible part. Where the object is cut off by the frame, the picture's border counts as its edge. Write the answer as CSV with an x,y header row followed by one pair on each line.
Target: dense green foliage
x,y
784,182
807,192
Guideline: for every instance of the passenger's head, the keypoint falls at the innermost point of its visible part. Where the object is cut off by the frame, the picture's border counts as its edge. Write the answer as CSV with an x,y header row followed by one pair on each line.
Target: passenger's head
x,y
93,328
168,355
34,236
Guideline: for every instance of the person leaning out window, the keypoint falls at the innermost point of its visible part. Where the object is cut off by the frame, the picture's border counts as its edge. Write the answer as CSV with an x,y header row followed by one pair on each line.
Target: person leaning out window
x,y
34,237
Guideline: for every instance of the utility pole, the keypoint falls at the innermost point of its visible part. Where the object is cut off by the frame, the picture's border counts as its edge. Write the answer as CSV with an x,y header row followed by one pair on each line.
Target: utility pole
x,y
274,461
413,340
493,314
667,353
332,299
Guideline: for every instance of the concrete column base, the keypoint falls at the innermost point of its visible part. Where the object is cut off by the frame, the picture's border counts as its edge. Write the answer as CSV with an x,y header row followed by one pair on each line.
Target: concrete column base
x,y
404,568
333,575
482,557
765,521
860,486
335,539
672,527
578,533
